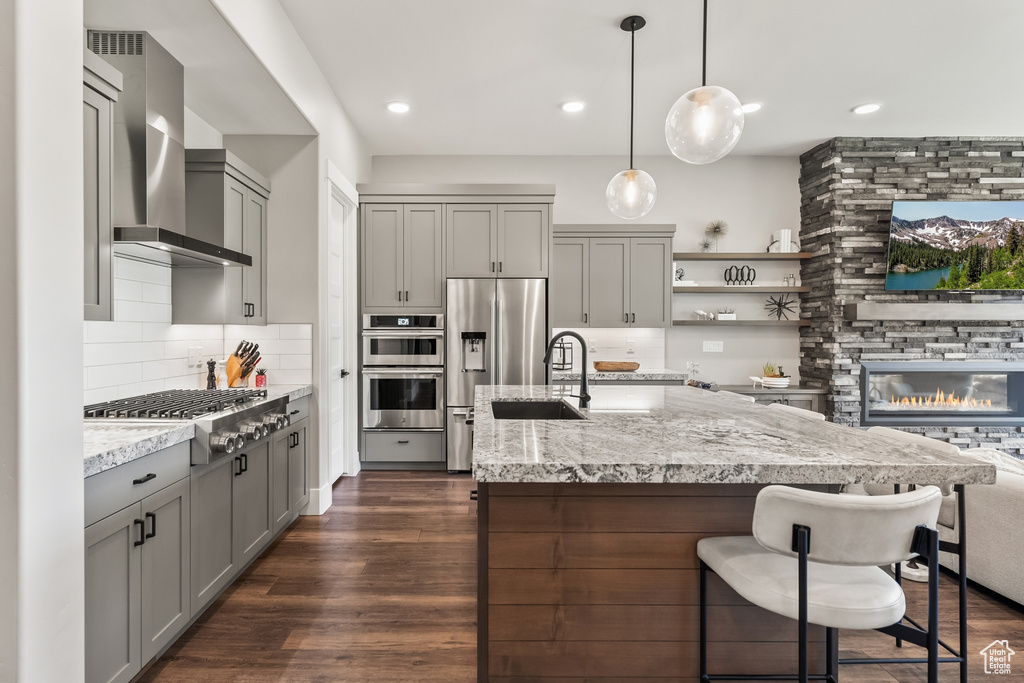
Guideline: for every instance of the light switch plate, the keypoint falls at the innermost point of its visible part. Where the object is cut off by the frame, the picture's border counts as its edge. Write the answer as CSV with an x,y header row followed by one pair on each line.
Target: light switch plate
x,y
630,346
714,347
195,355
593,346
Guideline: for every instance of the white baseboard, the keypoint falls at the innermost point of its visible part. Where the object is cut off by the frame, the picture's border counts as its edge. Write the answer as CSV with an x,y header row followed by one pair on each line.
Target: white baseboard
x,y
319,501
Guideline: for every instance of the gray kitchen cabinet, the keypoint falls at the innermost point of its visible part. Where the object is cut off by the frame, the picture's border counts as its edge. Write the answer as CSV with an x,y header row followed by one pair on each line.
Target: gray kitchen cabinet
x,y
650,282
137,564
798,397
611,281
113,597
230,519
225,204
290,491
166,558
402,259
102,83
497,240
569,285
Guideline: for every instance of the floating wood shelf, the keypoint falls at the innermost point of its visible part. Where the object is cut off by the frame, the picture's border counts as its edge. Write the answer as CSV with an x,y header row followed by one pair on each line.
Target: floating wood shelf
x,y
739,256
723,289
749,323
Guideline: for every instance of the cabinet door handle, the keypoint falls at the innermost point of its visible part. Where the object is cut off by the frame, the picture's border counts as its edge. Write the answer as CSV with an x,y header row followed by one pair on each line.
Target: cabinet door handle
x,y
584,317
407,295
142,480
625,317
399,295
634,318
152,516
499,265
492,266
294,412
238,459
245,463
142,532
403,441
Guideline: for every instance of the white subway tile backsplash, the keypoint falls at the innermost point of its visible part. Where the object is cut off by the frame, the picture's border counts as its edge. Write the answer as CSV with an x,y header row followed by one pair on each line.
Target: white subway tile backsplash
x,y
296,331
101,376
162,369
138,388
127,290
131,352
129,269
290,377
157,294
142,312
99,395
290,362
101,331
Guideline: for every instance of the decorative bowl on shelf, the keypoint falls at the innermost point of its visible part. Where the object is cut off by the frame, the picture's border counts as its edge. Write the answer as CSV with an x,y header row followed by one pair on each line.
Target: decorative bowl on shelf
x,y
615,366
773,382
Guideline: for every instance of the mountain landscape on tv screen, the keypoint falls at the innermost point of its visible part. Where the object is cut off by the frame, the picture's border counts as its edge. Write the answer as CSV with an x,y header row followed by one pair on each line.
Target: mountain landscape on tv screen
x,y
944,252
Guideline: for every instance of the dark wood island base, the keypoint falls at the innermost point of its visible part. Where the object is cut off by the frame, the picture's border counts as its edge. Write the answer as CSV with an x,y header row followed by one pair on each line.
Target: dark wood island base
x,y
599,582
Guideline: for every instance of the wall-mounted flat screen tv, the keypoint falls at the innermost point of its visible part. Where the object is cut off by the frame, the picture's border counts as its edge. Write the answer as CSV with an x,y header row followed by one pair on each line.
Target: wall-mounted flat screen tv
x,y
956,245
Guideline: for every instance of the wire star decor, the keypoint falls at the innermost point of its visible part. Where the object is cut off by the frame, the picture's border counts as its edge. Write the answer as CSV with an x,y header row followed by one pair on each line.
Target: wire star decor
x,y
780,306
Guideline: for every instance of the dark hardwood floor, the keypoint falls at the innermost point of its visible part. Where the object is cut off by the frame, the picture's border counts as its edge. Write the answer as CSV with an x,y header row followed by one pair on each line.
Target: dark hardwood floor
x,y
383,588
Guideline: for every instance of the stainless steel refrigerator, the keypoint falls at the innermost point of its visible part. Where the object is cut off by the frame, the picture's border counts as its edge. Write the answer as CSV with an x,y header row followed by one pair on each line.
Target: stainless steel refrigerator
x,y
497,331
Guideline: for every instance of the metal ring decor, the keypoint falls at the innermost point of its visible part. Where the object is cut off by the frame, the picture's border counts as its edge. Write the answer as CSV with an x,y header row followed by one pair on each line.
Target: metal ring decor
x,y
739,275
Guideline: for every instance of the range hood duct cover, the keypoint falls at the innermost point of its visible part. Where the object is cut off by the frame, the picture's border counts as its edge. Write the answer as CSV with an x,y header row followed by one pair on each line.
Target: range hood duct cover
x,y
148,183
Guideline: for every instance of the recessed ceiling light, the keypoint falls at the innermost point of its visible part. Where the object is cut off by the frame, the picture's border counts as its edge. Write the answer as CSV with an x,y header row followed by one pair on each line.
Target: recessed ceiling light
x,y
573,107
751,107
870,108
398,107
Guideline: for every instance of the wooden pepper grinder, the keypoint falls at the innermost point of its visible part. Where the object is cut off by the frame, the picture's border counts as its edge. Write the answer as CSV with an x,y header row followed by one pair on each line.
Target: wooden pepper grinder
x,y
211,377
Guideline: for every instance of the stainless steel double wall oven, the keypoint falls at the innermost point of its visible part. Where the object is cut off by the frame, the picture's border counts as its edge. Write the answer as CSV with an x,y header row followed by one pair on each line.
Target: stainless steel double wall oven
x,y
403,372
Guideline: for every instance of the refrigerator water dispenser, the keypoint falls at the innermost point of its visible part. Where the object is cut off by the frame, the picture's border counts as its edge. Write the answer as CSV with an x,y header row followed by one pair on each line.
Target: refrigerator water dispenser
x,y
474,352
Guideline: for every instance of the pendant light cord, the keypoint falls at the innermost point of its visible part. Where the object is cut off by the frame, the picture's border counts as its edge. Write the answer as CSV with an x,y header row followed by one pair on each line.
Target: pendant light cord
x,y
632,76
704,50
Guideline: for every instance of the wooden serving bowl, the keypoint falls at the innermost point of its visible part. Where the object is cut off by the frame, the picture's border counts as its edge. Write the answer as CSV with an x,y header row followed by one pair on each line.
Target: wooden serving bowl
x,y
615,366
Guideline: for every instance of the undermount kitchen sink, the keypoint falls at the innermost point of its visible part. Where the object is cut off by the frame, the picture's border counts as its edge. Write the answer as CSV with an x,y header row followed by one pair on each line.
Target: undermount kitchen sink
x,y
534,410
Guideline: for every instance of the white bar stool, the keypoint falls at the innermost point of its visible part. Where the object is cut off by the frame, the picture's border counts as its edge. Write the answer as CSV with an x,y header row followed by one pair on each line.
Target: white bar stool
x,y
799,412
815,557
953,508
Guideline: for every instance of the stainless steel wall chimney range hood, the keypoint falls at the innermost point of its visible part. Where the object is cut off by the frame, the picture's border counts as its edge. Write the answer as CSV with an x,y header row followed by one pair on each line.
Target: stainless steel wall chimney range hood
x,y
148,184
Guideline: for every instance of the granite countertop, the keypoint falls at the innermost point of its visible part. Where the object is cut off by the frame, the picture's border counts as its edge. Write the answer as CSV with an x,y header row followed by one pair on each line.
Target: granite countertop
x,y
638,434
109,443
757,388
641,375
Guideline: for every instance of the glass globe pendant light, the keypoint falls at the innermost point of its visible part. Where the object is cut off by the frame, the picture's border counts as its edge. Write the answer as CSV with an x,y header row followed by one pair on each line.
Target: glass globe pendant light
x,y
631,193
706,122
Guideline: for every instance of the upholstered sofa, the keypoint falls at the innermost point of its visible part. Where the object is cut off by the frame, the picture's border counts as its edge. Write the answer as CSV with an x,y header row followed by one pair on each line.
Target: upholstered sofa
x,y
995,528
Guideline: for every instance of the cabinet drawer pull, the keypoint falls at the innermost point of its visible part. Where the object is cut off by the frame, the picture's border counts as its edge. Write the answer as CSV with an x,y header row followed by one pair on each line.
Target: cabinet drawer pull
x,y
403,441
152,516
142,480
294,412
245,463
142,532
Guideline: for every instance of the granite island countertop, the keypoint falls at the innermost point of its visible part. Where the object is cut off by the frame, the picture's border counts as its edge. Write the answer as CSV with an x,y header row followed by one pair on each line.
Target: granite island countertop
x,y
109,443
640,375
680,434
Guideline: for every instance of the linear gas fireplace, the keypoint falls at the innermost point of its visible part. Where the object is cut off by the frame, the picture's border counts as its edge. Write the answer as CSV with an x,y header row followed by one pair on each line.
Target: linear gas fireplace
x,y
952,394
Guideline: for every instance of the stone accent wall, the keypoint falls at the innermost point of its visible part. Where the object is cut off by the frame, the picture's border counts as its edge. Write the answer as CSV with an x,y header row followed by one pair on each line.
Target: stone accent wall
x,y
847,188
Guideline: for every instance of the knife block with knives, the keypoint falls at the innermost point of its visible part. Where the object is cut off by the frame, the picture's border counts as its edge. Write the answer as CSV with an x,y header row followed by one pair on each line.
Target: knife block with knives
x,y
241,363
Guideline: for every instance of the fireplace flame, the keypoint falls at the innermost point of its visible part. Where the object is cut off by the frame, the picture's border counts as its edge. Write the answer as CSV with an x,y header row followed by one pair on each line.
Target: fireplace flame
x,y
940,400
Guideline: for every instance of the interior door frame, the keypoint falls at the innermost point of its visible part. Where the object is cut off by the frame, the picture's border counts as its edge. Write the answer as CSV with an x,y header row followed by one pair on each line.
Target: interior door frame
x,y
339,191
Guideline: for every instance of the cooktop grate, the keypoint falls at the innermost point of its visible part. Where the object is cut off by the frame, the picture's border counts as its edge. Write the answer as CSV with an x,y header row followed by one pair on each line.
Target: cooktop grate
x,y
178,404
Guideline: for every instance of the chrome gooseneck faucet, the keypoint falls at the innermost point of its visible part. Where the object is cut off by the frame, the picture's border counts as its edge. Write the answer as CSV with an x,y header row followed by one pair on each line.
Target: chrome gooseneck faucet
x,y
584,386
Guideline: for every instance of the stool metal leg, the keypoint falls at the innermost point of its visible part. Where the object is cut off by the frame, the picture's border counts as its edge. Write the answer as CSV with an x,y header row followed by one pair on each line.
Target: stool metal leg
x,y
961,518
832,654
802,538
703,622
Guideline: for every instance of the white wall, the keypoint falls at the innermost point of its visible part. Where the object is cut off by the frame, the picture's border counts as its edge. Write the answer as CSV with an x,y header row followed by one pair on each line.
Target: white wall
x,y
755,195
41,274
199,134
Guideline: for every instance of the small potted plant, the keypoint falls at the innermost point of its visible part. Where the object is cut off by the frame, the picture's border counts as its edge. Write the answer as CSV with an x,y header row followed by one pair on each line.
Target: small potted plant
x,y
261,377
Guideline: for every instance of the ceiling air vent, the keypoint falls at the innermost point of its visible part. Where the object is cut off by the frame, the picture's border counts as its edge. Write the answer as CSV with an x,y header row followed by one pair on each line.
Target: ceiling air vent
x,y
116,42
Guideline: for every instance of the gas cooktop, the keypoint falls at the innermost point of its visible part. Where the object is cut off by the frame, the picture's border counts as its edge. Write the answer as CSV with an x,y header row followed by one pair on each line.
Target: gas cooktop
x,y
177,404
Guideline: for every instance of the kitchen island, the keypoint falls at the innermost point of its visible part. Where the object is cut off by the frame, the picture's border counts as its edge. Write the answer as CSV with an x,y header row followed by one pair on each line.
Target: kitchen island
x,y
588,528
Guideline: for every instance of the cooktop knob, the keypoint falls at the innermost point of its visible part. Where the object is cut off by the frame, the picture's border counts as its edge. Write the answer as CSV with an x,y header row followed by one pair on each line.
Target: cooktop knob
x,y
253,431
276,421
224,443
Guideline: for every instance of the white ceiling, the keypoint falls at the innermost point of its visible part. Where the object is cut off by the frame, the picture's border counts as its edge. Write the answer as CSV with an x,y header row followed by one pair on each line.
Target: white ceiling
x,y
488,76
224,83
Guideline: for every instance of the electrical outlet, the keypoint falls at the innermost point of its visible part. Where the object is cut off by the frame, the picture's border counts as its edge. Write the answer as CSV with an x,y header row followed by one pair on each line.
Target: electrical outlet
x,y
630,346
714,347
195,356
593,346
